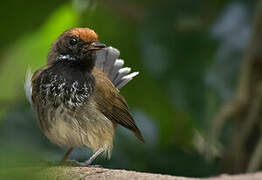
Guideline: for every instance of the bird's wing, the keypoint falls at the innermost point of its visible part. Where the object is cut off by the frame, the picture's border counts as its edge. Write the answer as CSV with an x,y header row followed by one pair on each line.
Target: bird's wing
x,y
108,62
112,104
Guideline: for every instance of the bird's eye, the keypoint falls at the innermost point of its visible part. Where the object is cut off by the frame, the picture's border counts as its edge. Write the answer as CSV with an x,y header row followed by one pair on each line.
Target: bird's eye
x,y
73,41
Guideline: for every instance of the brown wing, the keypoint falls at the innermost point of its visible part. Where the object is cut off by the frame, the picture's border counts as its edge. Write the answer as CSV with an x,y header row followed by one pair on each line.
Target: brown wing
x,y
112,104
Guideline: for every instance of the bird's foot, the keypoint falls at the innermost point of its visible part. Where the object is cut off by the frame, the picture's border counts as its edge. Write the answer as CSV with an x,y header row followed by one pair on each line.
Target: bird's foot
x,y
90,165
81,164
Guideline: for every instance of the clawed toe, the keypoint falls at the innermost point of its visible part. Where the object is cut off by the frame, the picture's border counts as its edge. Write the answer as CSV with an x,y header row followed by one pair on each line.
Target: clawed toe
x,y
90,165
95,166
82,164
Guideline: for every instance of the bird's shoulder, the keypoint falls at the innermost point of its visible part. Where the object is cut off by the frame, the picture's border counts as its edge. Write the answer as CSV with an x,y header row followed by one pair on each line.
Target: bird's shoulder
x,y
37,73
34,78
106,92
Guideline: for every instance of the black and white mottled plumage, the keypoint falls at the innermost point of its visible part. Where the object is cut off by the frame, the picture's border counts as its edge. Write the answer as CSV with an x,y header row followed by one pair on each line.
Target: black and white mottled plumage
x,y
107,60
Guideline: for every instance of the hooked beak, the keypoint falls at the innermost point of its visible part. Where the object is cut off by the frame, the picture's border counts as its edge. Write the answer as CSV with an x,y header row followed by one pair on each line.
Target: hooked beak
x,y
96,46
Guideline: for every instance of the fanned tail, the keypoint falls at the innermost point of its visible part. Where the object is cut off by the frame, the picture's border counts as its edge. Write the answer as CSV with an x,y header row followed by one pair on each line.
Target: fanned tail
x,y
107,60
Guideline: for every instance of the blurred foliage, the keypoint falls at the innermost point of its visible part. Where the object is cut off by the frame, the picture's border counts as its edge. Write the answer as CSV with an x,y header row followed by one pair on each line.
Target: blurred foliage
x,y
174,46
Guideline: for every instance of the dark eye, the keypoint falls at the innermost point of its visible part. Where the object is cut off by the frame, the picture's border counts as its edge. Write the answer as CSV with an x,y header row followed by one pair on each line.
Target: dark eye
x,y
73,41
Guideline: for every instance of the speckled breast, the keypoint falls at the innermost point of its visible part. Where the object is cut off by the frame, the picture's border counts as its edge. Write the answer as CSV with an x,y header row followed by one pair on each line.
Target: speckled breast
x,y
67,86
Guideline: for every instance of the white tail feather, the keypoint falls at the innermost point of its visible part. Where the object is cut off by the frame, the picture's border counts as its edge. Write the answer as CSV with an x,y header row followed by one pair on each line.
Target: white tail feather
x,y
121,73
28,85
117,66
107,60
126,79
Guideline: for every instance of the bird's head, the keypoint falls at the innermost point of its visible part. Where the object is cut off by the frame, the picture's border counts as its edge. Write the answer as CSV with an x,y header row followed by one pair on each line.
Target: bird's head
x,y
77,44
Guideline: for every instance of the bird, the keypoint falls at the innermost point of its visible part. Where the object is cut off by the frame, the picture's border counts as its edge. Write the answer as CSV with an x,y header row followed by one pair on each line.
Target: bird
x,y
76,94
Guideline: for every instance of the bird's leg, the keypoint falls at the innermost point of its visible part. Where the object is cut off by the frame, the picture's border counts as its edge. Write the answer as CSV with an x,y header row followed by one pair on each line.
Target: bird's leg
x,y
92,158
66,154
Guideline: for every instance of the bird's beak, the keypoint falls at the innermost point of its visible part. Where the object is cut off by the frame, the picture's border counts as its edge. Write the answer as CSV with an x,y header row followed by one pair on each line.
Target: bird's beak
x,y
96,46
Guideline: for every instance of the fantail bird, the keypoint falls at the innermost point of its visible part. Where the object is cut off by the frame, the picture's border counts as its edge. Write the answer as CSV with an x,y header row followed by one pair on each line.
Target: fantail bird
x,y
76,94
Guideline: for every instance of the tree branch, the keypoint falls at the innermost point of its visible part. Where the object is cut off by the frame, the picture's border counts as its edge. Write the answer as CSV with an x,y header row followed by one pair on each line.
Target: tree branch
x,y
86,173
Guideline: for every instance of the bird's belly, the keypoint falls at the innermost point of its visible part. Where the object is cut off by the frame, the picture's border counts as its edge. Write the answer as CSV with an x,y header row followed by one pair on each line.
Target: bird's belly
x,y
73,129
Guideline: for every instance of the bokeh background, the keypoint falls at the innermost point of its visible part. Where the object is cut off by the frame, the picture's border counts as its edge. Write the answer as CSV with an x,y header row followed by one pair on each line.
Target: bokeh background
x,y
189,55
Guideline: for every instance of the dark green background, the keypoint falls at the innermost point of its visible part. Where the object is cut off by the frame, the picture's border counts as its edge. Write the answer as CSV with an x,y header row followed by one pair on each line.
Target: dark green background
x,y
188,54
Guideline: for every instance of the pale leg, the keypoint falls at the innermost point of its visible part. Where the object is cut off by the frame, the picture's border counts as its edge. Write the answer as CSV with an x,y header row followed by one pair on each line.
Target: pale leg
x,y
92,158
